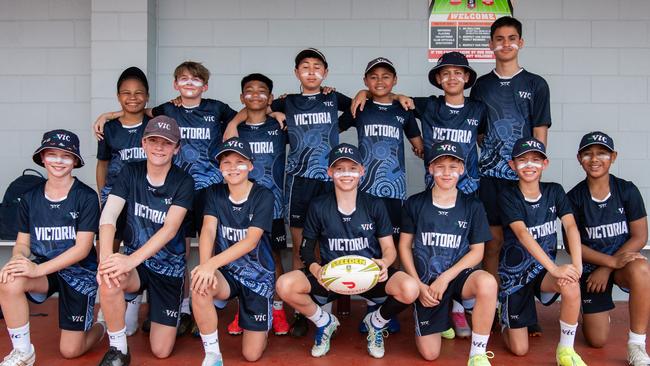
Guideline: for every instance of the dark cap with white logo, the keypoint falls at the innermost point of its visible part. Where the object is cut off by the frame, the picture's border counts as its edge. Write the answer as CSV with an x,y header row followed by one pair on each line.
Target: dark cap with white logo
x,y
61,140
345,151
237,145
528,144
596,138
380,61
163,126
446,148
310,53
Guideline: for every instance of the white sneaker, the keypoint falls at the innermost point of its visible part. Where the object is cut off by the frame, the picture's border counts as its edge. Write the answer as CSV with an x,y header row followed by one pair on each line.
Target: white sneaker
x,y
375,338
322,337
637,355
18,358
212,359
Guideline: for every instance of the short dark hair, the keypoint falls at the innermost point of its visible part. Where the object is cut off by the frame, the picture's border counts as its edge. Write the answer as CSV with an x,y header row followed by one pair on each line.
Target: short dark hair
x,y
133,73
257,77
505,22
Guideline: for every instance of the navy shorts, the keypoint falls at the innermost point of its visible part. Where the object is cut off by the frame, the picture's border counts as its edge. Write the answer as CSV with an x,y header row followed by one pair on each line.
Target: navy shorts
x,y
194,217
278,235
488,193
322,296
437,319
165,294
597,302
394,207
518,310
75,308
255,311
299,192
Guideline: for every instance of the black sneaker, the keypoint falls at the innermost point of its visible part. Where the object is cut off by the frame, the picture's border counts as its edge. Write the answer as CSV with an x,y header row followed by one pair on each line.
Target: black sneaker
x,y
115,358
300,326
184,325
146,325
535,330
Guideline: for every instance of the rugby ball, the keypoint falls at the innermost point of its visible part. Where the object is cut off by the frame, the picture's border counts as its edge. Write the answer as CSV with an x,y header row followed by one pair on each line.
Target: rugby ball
x,y
350,275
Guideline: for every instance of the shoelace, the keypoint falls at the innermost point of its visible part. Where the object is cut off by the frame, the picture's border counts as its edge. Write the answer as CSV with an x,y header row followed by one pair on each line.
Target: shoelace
x,y
380,334
320,335
14,358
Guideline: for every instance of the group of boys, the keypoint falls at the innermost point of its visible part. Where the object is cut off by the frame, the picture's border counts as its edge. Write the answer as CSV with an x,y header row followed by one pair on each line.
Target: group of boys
x,y
195,165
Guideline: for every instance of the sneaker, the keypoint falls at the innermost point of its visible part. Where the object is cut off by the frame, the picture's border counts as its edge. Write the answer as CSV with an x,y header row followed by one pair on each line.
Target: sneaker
x,y
362,325
280,325
637,355
375,338
300,325
481,360
461,328
534,330
323,336
184,324
233,327
115,358
18,358
567,356
212,359
448,334
146,325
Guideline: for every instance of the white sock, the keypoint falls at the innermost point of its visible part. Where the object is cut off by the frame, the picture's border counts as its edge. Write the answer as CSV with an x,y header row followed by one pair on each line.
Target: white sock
x,y
20,338
633,338
320,317
479,344
131,315
185,306
377,320
211,342
567,334
277,304
118,340
457,307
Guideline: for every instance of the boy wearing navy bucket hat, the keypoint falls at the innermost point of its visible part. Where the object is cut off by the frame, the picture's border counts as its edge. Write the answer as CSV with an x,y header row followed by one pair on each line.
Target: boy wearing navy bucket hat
x,y
57,224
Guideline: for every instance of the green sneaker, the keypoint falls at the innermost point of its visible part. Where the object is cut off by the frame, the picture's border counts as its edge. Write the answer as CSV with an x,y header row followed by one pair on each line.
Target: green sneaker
x,y
481,360
567,356
448,334
322,337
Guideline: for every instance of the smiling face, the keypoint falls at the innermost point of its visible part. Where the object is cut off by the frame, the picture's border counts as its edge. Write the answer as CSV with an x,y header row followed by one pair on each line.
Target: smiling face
x,y
58,163
529,166
256,95
132,96
311,72
596,160
234,167
380,81
190,86
346,174
446,170
506,43
159,150
452,79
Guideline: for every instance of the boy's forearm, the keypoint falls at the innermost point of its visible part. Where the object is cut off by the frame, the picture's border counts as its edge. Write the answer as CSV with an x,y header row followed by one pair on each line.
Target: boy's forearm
x,y
469,260
406,255
22,246
236,251
72,255
388,251
106,238
100,174
535,249
541,133
596,258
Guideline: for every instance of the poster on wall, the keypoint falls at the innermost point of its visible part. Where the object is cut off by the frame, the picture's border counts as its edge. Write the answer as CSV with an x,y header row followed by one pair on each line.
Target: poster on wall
x,y
464,26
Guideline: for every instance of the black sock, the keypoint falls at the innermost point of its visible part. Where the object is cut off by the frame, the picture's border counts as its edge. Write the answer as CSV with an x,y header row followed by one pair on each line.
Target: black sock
x,y
391,307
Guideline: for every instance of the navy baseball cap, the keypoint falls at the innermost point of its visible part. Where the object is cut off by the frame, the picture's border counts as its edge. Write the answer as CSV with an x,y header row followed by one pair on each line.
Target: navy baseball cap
x,y
528,144
345,151
596,138
163,126
452,59
310,52
446,148
61,140
380,61
237,145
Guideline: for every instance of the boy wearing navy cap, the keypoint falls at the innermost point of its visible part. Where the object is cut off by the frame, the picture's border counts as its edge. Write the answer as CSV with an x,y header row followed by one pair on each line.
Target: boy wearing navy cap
x,y
527,264
57,222
613,226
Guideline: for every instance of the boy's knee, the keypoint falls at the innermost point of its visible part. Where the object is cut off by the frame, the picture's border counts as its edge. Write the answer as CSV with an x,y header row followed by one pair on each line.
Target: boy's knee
x,y
487,285
429,354
410,290
519,349
107,292
69,350
161,351
12,288
570,291
252,355
595,341
284,285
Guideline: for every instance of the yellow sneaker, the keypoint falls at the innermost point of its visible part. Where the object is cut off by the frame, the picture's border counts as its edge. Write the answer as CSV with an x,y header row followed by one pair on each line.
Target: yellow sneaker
x,y
481,360
448,334
567,356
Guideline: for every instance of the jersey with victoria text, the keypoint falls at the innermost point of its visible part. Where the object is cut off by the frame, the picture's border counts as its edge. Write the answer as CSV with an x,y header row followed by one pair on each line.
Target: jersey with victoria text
x,y
442,236
268,144
313,127
147,208
461,125
517,267
255,269
515,106
121,144
199,126
605,225
339,234
380,130
53,226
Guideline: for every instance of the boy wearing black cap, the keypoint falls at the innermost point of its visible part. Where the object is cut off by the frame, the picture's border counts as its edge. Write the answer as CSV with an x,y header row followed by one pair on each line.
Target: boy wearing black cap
x,y
57,223
527,268
157,195
347,222
441,243
611,218
238,219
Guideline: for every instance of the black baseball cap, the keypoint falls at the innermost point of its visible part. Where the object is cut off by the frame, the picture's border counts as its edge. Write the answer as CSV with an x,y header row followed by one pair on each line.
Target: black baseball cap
x,y
596,138
446,148
133,73
310,52
380,61
345,151
452,59
235,144
61,140
528,144
163,126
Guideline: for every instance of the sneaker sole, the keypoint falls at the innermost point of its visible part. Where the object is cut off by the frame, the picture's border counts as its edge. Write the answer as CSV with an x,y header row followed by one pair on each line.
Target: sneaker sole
x,y
235,333
281,333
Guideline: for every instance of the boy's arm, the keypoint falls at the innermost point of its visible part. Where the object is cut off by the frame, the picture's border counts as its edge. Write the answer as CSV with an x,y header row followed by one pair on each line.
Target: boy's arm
x,y
100,174
22,246
81,248
98,125
406,254
541,133
417,145
231,129
628,252
469,260
237,250
574,243
207,238
388,255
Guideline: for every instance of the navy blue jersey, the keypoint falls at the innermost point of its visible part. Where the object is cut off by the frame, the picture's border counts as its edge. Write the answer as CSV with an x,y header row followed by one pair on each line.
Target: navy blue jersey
x,y
313,125
516,266
121,145
461,125
442,236
605,225
268,143
53,226
339,234
515,106
147,208
199,126
381,129
255,270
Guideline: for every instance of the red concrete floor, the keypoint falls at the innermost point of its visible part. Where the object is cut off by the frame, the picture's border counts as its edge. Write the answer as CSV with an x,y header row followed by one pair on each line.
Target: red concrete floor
x,y
348,347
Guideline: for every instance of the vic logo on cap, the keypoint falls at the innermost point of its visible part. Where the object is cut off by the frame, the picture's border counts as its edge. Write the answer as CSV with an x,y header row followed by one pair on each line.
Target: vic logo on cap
x,y
451,148
164,126
533,143
345,150
63,136
600,138
235,144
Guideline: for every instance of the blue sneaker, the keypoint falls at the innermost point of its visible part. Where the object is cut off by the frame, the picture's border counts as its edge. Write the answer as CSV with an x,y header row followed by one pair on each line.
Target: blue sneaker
x,y
322,337
362,326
